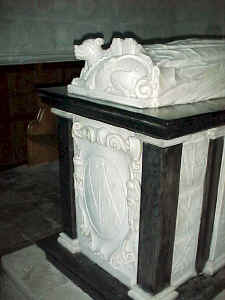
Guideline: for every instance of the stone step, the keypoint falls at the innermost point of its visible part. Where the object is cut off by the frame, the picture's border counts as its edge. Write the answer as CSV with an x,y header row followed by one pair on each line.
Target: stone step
x,y
27,275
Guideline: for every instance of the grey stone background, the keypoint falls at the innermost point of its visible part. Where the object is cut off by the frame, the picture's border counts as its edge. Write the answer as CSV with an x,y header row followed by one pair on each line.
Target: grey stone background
x,y
44,30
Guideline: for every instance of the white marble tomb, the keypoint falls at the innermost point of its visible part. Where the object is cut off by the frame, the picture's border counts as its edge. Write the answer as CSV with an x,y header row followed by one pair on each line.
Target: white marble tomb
x,y
108,165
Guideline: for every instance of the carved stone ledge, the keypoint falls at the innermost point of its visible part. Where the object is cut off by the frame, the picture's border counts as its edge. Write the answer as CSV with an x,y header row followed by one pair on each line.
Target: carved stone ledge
x,y
212,267
70,244
138,294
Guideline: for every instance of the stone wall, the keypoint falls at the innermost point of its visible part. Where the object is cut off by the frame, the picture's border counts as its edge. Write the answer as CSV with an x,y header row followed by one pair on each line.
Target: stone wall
x,y
44,30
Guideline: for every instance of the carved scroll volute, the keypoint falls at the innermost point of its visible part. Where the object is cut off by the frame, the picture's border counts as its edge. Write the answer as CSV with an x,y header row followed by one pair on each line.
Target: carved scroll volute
x,y
123,71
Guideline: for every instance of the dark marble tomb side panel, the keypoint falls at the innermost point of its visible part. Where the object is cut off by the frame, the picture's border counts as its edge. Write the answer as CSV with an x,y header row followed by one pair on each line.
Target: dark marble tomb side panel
x,y
209,201
159,198
66,152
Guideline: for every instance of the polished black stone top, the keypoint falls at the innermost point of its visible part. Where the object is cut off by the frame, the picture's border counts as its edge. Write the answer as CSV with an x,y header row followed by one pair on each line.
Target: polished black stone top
x,y
165,122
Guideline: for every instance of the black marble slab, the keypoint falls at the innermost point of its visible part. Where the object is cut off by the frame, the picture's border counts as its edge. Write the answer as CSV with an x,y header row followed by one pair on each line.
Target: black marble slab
x,y
165,122
159,199
211,184
67,192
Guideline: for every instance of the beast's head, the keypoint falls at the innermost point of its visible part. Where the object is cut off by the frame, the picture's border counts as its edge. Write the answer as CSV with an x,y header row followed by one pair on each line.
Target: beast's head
x,y
90,50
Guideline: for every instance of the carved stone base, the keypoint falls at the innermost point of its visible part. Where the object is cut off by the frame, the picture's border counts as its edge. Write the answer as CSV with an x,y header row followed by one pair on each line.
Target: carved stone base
x,y
91,278
100,285
138,294
70,244
212,267
184,278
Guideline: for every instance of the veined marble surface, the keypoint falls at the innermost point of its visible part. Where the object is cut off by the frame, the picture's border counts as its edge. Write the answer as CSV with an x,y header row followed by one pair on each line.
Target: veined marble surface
x,y
179,72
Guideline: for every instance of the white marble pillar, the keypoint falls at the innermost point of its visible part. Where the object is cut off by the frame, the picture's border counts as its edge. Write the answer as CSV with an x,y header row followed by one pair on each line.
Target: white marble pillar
x,y
192,175
217,251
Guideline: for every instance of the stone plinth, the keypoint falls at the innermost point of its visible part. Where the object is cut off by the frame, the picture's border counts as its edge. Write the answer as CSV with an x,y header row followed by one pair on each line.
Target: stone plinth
x,y
24,277
27,275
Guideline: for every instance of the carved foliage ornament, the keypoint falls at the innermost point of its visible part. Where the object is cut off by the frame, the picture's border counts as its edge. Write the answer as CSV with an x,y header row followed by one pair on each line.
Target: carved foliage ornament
x,y
96,225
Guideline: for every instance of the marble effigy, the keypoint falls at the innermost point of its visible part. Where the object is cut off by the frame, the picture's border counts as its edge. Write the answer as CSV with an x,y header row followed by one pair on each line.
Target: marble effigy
x,y
154,75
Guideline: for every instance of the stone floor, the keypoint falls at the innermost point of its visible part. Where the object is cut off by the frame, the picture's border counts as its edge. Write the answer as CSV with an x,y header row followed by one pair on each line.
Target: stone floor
x,y
27,275
29,209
